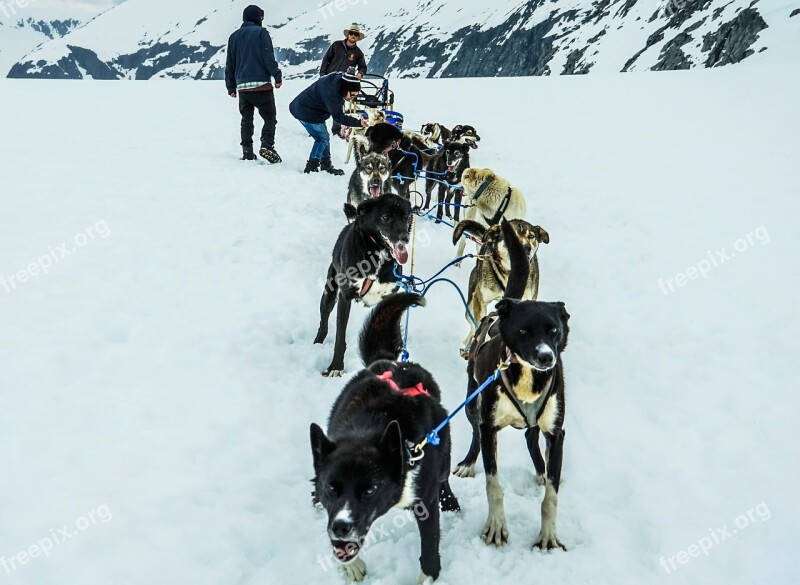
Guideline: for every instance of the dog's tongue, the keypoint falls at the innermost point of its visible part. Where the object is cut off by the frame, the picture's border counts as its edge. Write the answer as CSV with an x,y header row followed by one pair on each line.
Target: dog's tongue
x,y
400,252
375,191
451,168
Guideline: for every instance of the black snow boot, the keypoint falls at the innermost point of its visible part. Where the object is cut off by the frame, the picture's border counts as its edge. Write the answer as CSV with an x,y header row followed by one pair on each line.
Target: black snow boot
x,y
327,166
312,166
270,154
247,153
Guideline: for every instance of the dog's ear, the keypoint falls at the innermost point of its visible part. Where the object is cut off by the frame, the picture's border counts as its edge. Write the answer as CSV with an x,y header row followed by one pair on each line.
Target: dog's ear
x,y
456,129
541,234
470,226
391,448
362,147
321,446
505,307
563,308
350,212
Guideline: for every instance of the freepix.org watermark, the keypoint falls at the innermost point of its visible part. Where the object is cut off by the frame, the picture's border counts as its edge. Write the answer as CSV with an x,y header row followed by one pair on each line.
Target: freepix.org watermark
x,y
10,7
328,9
44,547
377,533
716,536
715,259
54,255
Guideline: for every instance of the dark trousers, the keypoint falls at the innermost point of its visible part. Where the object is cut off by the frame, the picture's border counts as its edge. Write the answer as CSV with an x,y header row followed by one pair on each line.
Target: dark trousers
x,y
264,101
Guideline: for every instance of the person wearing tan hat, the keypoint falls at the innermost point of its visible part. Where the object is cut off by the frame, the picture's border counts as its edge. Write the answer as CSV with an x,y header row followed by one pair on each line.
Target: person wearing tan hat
x,y
345,54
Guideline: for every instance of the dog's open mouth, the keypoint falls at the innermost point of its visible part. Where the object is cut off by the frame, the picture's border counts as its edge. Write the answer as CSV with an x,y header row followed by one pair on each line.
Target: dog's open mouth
x,y
451,168
375,191
345,551
399,250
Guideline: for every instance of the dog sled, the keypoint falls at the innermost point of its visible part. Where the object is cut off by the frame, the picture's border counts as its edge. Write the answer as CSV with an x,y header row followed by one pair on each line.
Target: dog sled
x,y
376,96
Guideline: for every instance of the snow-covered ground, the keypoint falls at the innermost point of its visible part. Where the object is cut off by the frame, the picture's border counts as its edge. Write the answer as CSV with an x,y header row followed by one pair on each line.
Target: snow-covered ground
x,y
159,379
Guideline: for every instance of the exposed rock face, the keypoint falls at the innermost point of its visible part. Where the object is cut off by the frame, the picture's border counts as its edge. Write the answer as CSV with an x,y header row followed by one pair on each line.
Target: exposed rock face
x,y
53,29
732,41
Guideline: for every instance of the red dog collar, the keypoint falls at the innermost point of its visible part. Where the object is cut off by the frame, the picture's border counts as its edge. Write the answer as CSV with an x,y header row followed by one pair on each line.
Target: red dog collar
x,y
417,390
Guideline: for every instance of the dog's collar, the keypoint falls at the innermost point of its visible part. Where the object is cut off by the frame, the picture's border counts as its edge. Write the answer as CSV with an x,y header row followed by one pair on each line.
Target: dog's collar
x,y
481,189
417,390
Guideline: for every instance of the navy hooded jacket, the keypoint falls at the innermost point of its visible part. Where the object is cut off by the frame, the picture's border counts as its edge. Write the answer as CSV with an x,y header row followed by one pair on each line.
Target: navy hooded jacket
x,y
321,100
251,57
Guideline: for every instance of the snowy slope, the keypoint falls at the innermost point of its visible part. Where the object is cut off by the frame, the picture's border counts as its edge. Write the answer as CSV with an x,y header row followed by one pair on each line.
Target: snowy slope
x,y
15,44
162,378
432,38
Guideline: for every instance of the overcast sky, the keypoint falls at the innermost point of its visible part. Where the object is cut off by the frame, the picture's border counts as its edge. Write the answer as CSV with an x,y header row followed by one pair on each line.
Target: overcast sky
x,y
13,10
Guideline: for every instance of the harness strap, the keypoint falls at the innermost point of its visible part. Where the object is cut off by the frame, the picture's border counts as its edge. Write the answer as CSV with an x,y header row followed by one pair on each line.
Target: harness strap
x,y
500,210
481,189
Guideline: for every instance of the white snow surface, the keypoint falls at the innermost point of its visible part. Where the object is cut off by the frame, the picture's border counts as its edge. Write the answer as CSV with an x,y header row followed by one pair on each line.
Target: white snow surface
x,y
162,375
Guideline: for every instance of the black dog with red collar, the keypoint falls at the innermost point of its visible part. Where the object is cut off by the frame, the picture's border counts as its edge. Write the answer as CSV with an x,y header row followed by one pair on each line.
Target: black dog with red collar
x,y
363,467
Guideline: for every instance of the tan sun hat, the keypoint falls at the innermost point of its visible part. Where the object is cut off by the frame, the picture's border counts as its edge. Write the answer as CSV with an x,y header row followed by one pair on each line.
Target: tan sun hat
x,y
355,28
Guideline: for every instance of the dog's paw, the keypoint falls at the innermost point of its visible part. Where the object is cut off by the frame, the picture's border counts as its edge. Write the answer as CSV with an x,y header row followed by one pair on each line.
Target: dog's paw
x,y
464,353
496,530
333,373
464,471
355,570
548,540
425,579
541,479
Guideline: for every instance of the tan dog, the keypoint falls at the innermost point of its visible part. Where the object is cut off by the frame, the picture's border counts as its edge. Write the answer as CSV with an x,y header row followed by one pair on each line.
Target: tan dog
x,y
374,116
489,194
488,280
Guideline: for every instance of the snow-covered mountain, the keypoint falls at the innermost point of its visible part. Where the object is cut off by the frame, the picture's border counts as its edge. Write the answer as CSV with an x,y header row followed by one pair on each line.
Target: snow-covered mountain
x,y
21,31
52,29
142,39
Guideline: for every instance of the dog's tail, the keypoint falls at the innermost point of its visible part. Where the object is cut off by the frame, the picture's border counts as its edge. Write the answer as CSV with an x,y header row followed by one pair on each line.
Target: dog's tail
x,y
381,337
470,226
520,265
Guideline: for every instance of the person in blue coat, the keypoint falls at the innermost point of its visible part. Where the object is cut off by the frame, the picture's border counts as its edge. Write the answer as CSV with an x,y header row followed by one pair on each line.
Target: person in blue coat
x,y
250,67
321,100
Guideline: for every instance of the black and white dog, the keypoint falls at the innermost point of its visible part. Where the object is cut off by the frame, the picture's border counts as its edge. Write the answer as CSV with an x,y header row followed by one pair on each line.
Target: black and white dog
x,y
447,166
364,466
466,134
370,178
529,395
362,266
435,133
406,156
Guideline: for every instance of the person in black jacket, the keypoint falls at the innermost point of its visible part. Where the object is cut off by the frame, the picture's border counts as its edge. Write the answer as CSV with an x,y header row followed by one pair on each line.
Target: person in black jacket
x,y
344,55
250,66
314,105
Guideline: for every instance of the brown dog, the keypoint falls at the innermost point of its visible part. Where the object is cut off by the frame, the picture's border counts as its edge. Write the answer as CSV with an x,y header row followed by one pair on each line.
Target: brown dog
x,y
488,280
